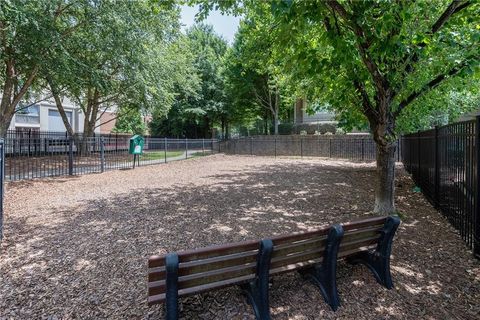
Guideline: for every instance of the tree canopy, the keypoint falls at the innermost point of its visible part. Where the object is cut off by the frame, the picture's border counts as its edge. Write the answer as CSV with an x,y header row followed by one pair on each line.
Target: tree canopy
x,y
371,61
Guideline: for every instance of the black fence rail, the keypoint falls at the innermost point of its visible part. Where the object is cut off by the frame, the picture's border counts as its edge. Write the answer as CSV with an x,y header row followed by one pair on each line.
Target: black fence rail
x,y
52,155
444,164
357,148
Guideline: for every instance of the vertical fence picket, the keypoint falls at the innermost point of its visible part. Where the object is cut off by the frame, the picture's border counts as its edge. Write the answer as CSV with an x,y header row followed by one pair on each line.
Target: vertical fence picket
x,y
102,155
165,149
2,183
476,218
436,170
70,156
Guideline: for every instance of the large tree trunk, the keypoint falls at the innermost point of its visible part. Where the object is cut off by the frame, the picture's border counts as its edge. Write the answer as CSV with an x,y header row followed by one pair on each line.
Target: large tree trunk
x,y
383,129
10,95
91,113
61,110
4,124
385,184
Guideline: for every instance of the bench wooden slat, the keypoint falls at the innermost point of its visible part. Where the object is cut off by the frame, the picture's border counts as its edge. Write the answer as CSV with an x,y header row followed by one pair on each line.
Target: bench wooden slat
x,y
205,253
360,235
358,244
156,261
198,279
159,298
204,265
297,257
216,251
295,266
315,243
279,240
363,223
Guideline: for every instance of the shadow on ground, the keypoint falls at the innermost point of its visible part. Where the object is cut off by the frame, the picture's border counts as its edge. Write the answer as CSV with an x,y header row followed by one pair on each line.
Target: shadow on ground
x,y
89,261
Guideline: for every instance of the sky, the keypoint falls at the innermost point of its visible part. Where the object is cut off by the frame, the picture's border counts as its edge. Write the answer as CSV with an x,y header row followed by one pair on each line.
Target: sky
x,y
225,25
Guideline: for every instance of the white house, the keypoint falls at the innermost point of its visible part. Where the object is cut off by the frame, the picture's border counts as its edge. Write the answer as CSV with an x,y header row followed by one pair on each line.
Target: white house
x,y
301,116
318,122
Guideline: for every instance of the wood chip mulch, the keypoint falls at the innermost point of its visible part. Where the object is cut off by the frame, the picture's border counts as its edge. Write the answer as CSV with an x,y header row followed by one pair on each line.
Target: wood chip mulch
x,y
76,248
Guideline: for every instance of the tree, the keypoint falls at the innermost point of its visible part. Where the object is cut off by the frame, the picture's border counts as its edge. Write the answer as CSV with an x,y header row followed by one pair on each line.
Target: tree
x,y
195,112
121,58
130,121
259,74
377,58
29,33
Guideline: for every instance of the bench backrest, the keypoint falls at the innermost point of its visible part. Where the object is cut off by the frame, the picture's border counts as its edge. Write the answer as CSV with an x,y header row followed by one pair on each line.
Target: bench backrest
x,y
220,266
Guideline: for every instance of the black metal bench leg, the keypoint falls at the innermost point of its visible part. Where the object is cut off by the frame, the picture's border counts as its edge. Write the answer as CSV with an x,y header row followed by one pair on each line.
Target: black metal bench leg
x,y
325,275
378,260
257,290
171,292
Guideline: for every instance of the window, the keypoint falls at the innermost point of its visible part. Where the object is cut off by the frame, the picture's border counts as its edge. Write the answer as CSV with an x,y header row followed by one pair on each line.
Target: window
x,y
29,114
55,121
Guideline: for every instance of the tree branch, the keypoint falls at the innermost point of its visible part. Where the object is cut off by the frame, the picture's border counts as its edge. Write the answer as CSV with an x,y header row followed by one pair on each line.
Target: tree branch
x,y
368,108
431,85
25,86
363,44
453,8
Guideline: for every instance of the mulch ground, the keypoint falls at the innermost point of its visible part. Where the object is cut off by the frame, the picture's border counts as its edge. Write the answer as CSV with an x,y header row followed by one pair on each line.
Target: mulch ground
x,y
77,247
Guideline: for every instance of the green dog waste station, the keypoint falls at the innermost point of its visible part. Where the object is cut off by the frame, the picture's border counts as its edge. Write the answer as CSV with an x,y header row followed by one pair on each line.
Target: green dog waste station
x,y
136,147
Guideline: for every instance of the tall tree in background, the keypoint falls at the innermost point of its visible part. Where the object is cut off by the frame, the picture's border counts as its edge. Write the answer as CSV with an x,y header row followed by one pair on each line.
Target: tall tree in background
x,y
374,57
256,74
194,113
131,121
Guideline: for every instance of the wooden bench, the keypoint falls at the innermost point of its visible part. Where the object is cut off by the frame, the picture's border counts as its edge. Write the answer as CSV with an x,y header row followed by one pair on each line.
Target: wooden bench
x,y
250,263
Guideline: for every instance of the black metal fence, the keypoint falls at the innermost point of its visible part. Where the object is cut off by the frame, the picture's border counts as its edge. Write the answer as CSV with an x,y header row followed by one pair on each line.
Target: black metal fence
x,y
444,164
351,147
2,177
55,154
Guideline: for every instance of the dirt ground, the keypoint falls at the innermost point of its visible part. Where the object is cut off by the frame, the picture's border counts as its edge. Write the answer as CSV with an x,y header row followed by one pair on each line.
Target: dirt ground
x,y
77,247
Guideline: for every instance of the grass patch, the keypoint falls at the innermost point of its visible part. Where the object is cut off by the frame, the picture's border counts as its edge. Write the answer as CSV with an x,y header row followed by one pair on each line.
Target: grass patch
x,y
156,155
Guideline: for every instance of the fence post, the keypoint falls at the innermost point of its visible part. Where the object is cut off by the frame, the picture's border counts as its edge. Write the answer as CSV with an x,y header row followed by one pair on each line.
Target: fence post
x,y
165,150
363,149
186,148
70,156
102,154
330,147
399,149
203,146
251,146
275,144
476,226
301,146
418,156
437,172
2,181
29,140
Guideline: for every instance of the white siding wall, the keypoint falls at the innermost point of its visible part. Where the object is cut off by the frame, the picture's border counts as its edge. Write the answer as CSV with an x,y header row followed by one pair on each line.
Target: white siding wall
x,y
77,117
